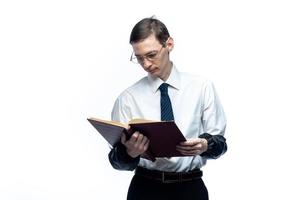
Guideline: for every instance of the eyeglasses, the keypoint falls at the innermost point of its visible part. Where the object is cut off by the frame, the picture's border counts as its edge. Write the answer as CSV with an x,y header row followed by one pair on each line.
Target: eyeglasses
x,y
151,56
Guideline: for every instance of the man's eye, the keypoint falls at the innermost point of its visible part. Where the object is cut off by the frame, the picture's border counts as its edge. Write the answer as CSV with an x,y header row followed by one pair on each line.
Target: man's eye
x,y
153,55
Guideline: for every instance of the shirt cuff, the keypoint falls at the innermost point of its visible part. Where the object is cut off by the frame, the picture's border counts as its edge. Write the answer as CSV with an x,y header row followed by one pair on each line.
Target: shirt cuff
x,y
216,146
120,160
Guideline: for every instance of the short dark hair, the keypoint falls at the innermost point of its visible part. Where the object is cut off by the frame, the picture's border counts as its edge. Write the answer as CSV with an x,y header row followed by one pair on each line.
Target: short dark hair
x,y
146,27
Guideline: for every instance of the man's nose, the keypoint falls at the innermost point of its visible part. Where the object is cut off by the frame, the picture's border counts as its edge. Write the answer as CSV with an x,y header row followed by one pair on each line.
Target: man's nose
x,y
146,63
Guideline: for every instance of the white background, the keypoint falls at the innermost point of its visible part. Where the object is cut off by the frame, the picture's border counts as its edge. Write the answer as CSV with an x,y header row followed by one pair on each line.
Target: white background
x,y
63,61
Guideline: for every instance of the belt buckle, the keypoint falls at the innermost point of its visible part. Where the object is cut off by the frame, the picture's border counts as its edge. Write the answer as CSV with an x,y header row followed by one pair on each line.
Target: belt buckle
x,y
178,179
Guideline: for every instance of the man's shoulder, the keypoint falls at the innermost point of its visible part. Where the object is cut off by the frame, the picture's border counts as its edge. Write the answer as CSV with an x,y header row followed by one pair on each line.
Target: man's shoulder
x,y
135,87
188,79
140,84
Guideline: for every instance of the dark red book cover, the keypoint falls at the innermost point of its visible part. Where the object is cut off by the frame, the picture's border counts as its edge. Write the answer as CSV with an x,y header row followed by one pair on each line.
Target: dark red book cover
x,y
163,135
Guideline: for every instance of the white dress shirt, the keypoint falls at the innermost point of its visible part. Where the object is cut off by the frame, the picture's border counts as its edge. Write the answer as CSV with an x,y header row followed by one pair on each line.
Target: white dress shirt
x,y
196,110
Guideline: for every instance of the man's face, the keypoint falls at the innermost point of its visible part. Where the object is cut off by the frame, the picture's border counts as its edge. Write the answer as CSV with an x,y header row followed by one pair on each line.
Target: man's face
x,y
153,56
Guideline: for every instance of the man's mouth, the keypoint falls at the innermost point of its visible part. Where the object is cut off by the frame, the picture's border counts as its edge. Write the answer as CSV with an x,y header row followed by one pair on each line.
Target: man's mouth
x,y
152,71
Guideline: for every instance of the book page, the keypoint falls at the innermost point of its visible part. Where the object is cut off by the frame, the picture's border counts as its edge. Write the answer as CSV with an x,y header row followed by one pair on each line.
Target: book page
x,y
115,123
139,120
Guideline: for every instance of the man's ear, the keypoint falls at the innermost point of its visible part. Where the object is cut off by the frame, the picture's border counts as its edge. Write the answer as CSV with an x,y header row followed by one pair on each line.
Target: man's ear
x,y
170,44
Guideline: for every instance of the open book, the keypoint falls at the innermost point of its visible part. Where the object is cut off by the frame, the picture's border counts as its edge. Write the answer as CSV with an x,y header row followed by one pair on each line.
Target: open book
x,y
163,135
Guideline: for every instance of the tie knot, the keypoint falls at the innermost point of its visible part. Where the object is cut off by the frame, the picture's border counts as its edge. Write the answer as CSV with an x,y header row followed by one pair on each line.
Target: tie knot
x,y
163,87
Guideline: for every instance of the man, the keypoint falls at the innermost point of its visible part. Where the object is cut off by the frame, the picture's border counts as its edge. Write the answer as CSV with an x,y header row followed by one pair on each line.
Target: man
x,y
167,94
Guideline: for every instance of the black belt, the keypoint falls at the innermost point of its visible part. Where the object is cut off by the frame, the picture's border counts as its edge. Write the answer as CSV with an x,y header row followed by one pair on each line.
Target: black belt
x,y
169,177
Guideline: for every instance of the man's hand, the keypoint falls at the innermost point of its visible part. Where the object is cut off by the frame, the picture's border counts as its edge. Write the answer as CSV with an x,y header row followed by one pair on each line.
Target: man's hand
x,y
193,146
136,145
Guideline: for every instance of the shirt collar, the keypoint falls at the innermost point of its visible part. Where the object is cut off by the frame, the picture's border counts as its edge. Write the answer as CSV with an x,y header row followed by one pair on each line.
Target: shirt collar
x,y
173,80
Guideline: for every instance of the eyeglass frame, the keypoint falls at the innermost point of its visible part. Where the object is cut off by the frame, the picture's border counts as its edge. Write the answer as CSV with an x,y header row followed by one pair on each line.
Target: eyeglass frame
x,y
146,56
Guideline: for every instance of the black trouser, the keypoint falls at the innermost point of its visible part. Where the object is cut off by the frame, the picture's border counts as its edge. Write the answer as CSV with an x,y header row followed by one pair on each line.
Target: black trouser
x,y
142,188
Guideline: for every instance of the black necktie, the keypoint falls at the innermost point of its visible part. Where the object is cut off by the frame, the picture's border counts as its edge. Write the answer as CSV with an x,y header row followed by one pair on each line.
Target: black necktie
x,y
166,108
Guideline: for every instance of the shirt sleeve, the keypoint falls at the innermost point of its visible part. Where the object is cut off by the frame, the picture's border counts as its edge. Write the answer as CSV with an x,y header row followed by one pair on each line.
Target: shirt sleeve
x,y
214,123
118,156
121,110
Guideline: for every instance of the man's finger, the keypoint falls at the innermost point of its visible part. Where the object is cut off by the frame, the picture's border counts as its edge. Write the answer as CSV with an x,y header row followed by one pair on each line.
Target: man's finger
x,y
191,142
146,145
139,138
144,140
134,137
